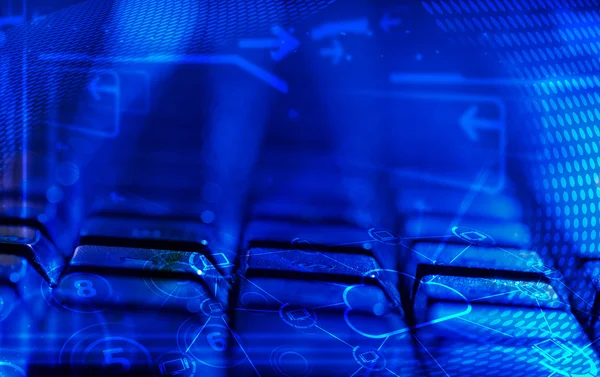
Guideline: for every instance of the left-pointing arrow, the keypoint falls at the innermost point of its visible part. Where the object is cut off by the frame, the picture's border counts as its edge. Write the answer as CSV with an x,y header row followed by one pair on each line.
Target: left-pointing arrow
x,y
93,88
470,123
284,44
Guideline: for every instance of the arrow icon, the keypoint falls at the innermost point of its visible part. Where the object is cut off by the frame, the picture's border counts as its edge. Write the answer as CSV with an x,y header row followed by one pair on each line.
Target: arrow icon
x,y
282,45
93,88
387,22
470,123
336,51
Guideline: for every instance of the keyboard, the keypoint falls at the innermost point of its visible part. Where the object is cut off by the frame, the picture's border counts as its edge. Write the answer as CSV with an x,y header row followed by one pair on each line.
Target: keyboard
x,y
308,292
164,213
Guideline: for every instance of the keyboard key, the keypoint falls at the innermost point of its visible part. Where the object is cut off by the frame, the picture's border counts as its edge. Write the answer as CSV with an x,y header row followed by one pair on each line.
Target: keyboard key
x,y
473,260
294,276
145,232
310,265
502,340
157,275
486,291
483,232
338,238
157,233
31,244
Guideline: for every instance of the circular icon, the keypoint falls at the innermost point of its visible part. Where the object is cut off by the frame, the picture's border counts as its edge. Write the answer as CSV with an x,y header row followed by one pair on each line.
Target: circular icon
x,y
473,236
537,291
369,358
80,292
213,308
384,236
104,347
298,317
209,343
184,288
175,364
288,362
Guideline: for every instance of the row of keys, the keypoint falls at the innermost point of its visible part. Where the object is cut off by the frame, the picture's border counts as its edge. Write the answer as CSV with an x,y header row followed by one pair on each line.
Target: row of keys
x,y
471,288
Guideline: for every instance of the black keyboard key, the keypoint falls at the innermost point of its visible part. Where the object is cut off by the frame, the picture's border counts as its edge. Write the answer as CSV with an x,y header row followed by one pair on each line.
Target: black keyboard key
x,y
139,276
482,232
377,243
145,232
160,233
429,258
486,291
310,265
502,340
294,274
37,249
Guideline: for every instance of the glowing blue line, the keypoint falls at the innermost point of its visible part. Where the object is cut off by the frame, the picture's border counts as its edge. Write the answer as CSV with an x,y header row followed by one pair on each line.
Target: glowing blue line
x,y
242,348
328,306
544,315
416,252
235,60
485,327
335,337
461,253
197,335
253,283
382,343
426,350
496,295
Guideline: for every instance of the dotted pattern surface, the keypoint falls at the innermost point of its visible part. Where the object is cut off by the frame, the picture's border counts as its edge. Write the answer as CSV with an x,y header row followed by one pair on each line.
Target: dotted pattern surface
x,y
550,48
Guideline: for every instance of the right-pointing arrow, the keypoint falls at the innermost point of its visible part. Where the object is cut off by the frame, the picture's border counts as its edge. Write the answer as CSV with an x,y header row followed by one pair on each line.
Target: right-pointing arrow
x,y
336,52
470,123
